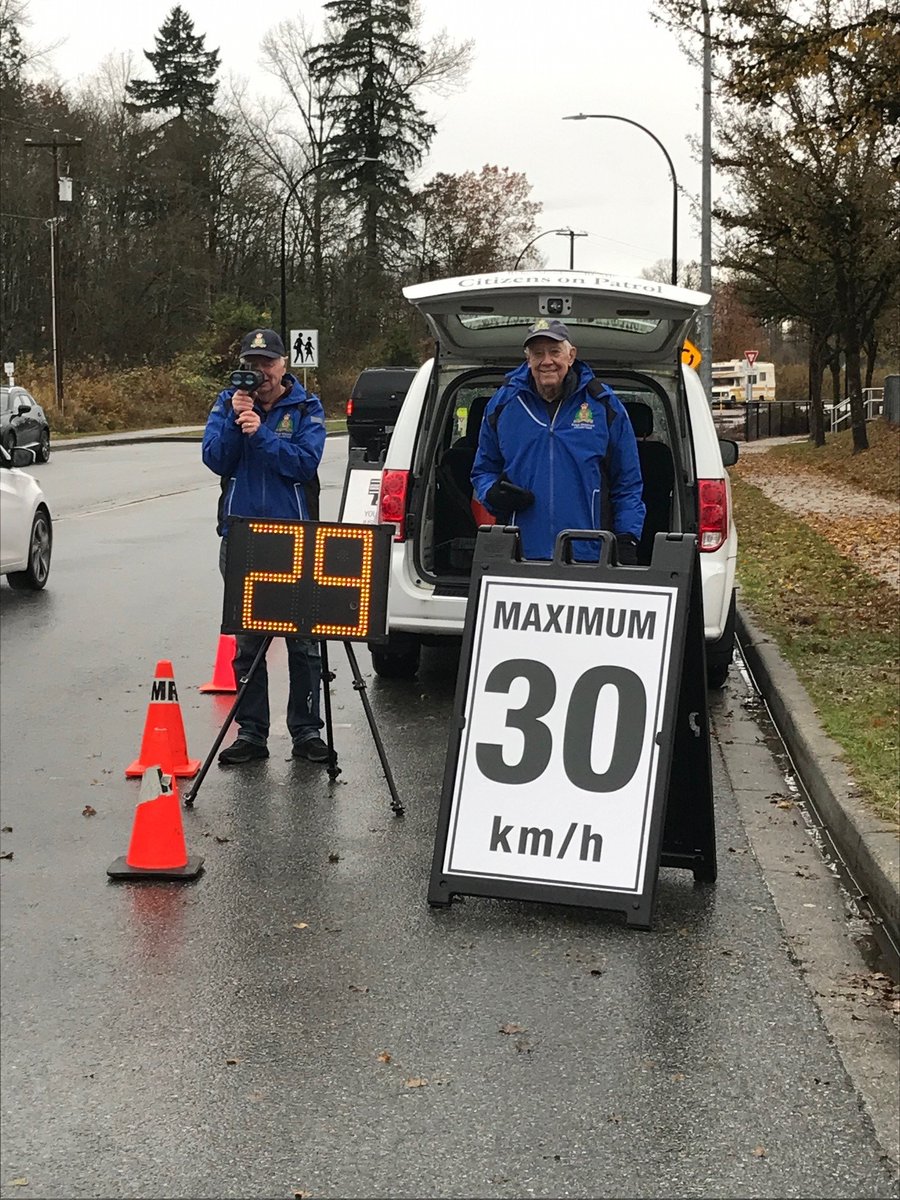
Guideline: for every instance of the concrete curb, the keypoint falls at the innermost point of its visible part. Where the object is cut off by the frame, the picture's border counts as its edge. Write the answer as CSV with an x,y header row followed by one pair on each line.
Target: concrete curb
x,y
193,433
868,845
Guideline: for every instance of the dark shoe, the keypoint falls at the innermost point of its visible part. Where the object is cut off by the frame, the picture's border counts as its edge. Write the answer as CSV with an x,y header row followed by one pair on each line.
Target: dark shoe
x,y
242,751
312,748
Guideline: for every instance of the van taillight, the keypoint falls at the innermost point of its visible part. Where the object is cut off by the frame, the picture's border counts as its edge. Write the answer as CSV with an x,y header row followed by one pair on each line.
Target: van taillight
x,y
392,501
713,497
350,407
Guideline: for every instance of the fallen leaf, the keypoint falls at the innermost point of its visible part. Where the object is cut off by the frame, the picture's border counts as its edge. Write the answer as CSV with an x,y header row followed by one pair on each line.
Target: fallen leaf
x,y
89,811
355,987
511,1028
300,925
6,829
384,1057
759,1152
614,1119
6,854
677,1077
334,858
416,1082
221,840
302,1195
232,1062
23,1182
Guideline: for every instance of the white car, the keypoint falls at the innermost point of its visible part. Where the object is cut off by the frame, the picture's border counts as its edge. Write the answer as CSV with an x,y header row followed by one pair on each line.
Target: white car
x,y
631,332
26,529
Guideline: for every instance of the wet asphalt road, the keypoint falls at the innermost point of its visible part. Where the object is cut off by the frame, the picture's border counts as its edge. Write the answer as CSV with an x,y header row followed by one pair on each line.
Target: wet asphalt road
x,y
231,1037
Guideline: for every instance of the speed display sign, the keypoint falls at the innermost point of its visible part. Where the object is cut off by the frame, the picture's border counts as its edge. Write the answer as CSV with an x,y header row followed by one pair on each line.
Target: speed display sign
x,y
557,771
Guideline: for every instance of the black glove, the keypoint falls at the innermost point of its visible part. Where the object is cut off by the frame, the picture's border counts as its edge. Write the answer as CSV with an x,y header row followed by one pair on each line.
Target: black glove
x,y
626,549
505,497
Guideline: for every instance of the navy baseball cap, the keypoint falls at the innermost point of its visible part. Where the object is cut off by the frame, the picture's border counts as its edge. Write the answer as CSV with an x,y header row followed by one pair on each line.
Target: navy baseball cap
x,y
264,342
549,329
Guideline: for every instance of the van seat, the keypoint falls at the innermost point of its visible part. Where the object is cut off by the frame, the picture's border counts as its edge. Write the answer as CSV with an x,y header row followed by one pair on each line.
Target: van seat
x,y
658,473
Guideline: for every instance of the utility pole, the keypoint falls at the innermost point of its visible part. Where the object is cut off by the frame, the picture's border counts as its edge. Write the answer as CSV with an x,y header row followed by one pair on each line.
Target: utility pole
x,y
706,315
571,235
56,145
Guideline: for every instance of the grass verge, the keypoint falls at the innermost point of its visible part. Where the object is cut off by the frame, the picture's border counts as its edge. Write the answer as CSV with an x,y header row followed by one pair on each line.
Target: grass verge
x,y
835,625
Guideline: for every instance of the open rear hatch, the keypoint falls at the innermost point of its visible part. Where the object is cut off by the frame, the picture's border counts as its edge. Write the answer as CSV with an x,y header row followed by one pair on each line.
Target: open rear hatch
x,y
614,321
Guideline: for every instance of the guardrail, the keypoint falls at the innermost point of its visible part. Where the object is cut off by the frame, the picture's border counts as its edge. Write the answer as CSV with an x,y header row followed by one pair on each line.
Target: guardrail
x,y
762,419
839,414
765,419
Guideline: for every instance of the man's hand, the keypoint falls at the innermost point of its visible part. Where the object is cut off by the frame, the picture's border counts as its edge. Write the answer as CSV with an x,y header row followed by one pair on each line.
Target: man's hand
x,y
248,421
505,497
241,402
626,550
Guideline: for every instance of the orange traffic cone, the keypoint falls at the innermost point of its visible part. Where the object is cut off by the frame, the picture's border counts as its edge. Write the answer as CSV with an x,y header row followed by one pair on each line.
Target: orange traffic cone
x,y
223,672
157,848
164,742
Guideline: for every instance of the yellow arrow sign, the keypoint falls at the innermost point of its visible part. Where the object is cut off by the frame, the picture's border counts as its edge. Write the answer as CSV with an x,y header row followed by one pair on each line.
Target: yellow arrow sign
x,y
690,354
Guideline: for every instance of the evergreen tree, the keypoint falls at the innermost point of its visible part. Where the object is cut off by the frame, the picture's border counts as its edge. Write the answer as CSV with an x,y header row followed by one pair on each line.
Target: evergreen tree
x,y
184,70
12,52
373,54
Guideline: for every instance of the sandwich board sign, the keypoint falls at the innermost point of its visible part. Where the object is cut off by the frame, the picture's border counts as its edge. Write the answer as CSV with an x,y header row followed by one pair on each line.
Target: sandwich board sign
x,y
304,348
578,760
362,488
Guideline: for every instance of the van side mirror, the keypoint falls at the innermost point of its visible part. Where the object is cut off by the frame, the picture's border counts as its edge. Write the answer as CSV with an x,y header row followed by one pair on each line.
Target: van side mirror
x,y
23,408
729,452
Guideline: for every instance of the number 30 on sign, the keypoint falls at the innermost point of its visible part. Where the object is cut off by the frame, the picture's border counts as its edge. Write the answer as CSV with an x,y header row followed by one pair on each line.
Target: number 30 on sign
x,y
560,746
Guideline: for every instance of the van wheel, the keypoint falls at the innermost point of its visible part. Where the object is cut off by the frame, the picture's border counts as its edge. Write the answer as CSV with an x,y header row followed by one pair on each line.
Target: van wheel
x,y
717,674
718,655
399,659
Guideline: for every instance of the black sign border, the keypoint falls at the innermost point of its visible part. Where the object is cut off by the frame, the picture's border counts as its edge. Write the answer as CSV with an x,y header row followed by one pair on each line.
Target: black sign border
x,y
383,536
674,565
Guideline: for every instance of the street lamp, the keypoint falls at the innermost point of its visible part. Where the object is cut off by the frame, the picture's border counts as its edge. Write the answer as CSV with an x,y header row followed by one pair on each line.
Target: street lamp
x,y
292,194
569,233
628,121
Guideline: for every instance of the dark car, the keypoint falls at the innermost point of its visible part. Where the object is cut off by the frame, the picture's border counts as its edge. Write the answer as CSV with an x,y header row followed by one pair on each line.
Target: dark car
x,y
374,405
23,423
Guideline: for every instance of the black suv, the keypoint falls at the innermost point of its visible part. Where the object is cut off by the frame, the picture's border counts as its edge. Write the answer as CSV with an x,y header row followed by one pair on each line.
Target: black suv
x,y
374,405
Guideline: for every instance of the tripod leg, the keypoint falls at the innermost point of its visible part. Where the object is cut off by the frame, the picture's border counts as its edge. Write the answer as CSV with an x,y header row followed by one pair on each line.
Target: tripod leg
x,y
359,685
333,769
191,794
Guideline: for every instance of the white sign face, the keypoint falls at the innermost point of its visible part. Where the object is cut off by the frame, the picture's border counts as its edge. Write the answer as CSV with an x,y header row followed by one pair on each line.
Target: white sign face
x,y
303,350
558,757
361,497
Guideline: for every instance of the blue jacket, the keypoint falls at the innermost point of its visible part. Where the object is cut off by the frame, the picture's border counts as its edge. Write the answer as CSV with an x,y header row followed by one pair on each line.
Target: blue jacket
x,y
562,460
269,470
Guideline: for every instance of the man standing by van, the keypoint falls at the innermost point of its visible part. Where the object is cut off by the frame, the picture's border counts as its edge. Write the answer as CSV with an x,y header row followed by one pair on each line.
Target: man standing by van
x,y
267,444
557,451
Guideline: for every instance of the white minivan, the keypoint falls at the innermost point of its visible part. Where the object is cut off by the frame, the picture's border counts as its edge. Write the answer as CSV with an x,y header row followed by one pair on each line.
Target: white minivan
x,y
632,333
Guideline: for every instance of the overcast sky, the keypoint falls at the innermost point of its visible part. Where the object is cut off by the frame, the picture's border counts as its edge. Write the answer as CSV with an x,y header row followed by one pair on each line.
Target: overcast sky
x,y
535,61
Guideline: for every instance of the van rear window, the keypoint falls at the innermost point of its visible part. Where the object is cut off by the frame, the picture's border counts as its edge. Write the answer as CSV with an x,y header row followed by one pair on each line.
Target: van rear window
x,y
496,320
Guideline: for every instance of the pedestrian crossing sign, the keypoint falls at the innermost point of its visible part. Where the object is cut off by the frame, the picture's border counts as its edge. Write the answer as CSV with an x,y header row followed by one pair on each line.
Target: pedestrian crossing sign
x,y
304,348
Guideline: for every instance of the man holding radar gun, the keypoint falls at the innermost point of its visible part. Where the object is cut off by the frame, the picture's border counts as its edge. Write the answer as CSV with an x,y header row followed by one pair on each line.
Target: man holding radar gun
x,y
265,436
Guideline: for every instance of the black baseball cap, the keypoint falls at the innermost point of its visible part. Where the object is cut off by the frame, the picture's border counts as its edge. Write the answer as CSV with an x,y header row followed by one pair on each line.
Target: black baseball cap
x,y
264,342
549,329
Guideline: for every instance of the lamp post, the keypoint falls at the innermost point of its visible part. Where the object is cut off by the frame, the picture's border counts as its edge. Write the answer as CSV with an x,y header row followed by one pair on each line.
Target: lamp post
x,y
60,193
637,124
292,194
569,233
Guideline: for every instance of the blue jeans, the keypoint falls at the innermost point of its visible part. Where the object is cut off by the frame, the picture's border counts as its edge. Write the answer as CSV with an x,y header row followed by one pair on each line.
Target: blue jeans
x,y
305,680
